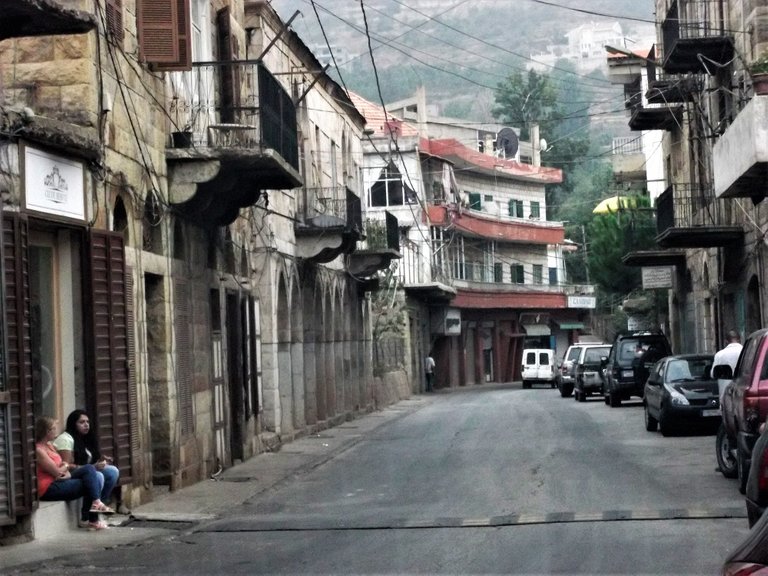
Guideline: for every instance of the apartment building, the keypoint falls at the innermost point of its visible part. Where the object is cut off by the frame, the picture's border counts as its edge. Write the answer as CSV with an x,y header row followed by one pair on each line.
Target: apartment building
x,y
181,209
696,88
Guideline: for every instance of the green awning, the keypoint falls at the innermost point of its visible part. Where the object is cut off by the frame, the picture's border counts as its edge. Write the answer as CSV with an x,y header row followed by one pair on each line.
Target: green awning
x,y
571,325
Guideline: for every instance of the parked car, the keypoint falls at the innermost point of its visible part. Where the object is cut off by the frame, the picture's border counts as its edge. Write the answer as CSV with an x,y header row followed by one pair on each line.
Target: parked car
x,y
564,377
750,558
627,367
680,390
756,495
745,407
538,366
587,371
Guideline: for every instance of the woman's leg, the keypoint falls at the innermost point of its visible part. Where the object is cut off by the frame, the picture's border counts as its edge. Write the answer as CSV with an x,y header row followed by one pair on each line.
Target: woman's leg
x,y
91,481
111,475
70,489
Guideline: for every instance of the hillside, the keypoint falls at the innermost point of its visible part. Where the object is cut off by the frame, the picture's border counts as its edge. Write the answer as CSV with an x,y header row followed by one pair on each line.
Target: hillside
x,y
460,49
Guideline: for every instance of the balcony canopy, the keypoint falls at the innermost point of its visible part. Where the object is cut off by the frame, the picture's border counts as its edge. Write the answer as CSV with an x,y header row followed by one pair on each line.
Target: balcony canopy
x,y
22,18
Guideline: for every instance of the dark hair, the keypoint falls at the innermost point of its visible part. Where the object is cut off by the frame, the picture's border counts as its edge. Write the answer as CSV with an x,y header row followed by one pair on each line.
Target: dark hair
x,y
733,336
83,442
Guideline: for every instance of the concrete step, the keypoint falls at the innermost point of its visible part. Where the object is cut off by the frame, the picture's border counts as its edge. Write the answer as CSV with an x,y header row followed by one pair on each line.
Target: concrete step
x,y
53,518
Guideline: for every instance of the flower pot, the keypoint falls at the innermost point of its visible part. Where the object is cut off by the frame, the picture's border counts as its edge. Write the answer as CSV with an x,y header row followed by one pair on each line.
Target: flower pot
x,y
760,83
182,139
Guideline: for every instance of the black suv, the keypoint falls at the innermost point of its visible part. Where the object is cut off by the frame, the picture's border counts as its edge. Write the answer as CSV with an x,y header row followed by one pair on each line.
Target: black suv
x,y
628,364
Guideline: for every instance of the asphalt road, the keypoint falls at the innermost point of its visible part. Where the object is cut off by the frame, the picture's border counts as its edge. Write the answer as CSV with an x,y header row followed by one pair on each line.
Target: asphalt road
x,y
488,480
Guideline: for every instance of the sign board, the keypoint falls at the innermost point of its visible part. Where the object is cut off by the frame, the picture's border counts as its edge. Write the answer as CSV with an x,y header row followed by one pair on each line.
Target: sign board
x,y
447,322
657,277
582,302
54,185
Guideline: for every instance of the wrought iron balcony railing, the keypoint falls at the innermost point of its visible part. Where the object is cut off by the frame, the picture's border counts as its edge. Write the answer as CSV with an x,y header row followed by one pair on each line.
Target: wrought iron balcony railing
x,y
690,205
232,104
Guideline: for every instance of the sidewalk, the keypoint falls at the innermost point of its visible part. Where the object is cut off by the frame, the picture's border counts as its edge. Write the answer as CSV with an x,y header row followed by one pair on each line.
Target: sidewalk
x,y
209,499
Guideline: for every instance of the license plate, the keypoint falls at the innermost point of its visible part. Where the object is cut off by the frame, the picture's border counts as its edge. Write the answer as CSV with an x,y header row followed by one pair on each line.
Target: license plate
x,y
627,374
713,412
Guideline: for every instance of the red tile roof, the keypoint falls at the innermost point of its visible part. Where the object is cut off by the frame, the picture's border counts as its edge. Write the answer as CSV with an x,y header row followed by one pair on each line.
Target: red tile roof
x,y
464,157
376,119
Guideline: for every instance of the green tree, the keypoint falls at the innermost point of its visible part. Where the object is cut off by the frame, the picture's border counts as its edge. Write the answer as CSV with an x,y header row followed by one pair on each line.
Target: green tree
x,y
522,100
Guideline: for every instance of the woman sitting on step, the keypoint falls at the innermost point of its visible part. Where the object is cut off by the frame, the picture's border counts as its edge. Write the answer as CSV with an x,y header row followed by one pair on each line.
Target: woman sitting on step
x,y
78,446
55,480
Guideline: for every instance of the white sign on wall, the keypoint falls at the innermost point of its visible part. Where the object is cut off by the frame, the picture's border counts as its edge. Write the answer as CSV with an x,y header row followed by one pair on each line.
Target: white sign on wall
x,y
657,277
54,184
582,302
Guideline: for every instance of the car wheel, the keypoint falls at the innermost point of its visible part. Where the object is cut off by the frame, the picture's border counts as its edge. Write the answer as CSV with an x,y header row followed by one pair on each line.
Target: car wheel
x,y
582,396
606,398
614,401
567,390
650,422
551,384
725,460
526,384
743,470
665,423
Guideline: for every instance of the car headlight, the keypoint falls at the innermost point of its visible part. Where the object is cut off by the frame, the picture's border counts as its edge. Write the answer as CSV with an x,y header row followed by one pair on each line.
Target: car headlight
x,y
678,399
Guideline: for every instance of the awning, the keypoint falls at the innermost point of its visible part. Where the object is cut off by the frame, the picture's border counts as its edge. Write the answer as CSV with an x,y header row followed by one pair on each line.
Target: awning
x,y
537,330
571,325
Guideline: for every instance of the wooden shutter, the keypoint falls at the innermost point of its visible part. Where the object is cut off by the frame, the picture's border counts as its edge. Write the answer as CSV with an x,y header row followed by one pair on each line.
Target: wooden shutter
x,y
133,400
108,387
165,37
19,358
182,322
475,201
229,87
115,20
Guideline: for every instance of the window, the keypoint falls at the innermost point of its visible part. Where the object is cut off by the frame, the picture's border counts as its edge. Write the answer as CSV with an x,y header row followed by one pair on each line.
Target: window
x,y
535,210
488,198
498,272
538,271
475,201
516,208
115,27
165,33
518,273
553,276
390,190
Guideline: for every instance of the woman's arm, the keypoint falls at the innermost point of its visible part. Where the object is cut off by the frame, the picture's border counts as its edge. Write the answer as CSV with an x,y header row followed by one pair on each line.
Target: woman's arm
x,y
47,464
68,457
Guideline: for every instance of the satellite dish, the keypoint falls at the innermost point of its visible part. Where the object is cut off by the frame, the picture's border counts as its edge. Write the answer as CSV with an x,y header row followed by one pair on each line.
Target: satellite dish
x,y
543,145
507,143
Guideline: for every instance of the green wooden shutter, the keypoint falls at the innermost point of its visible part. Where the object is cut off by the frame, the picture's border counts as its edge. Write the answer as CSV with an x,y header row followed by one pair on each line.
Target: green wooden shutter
x,y
475,201
108,395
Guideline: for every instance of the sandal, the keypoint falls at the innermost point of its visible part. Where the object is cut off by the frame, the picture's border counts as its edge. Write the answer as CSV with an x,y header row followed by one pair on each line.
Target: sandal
x,y
98,507
99,525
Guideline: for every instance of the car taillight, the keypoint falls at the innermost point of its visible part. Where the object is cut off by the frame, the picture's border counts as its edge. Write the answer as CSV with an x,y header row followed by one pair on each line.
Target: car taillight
x,y
745,569
751,414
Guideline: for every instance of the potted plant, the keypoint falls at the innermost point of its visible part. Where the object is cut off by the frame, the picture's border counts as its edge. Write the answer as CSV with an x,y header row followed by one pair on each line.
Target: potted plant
x,y
758,71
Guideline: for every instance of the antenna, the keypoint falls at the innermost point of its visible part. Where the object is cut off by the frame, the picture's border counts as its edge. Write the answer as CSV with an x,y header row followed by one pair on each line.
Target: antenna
x,y
507,143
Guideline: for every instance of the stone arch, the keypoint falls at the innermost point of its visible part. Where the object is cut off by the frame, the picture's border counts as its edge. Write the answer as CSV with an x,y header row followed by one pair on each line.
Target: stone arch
x,y
298,393
329,369
753,320
120,218
152,224
338,352
310,326
283,416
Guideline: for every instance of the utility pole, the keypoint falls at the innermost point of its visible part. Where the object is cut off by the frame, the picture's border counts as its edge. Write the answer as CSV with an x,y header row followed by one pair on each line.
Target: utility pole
x,y
584,243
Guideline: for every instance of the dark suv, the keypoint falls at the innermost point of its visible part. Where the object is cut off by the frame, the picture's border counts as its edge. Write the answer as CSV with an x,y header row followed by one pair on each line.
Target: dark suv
x,y
628,364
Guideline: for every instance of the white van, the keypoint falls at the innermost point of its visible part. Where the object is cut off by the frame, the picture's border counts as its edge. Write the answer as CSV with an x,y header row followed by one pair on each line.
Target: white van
x,y
538,366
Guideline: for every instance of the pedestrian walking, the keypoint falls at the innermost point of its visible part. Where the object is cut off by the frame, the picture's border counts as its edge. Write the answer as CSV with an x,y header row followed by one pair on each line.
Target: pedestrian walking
x,y
429,371
729,355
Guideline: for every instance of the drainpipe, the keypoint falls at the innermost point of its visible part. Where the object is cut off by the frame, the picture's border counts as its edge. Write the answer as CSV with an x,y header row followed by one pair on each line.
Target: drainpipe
x,y
535,144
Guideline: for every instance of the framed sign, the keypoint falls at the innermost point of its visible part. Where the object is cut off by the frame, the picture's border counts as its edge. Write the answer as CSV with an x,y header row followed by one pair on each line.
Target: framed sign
x,y
54,185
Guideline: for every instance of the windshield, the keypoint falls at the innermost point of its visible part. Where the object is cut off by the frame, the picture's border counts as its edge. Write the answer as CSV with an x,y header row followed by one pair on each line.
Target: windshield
x,y
689,369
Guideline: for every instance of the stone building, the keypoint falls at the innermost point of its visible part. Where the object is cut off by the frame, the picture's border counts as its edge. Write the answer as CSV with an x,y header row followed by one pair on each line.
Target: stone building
x,y
701,94
181,187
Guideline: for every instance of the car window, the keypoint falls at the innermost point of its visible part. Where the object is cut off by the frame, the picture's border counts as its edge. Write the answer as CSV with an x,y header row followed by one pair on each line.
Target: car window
x,y
530,358
700,367
678,370
627,350
573,354
746,360
593,355
543,357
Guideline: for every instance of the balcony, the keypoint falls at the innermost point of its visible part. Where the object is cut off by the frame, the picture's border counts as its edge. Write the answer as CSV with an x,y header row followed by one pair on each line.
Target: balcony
x,y
694,37
628,159
22,18
234,134
382,246
689,216
665,88
655,117
740,156
496,226
329,223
